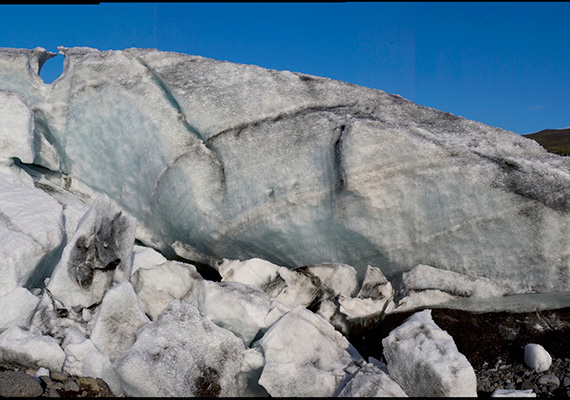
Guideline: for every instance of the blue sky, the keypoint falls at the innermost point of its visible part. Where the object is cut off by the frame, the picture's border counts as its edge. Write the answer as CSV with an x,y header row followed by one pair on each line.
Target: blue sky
x,y
504,64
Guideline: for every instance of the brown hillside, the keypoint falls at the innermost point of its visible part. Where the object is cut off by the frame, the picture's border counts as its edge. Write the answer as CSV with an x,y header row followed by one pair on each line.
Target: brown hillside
x,y
554,140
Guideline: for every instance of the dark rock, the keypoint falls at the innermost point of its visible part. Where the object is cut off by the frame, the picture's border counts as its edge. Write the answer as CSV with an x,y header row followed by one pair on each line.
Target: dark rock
x,y
550,380
89,384
69,385
19,384
59,376
46,380
527,384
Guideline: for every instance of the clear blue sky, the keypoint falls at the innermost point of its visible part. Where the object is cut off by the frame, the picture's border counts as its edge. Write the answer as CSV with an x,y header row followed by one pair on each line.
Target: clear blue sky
x,y
504,64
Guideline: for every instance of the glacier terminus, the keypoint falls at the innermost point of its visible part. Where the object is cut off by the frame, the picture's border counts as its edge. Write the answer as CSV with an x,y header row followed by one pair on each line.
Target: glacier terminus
x,y
318,205
219,160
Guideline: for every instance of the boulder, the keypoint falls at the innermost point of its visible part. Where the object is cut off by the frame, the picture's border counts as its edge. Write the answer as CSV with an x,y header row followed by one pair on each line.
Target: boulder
x,y
423,359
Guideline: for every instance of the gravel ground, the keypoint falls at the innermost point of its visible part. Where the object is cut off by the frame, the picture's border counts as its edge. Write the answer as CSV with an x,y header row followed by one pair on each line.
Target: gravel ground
x,y
61,384
552,383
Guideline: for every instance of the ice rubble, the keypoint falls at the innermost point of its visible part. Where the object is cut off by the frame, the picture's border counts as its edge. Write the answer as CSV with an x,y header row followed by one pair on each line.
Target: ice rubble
x,y
221,160
164,330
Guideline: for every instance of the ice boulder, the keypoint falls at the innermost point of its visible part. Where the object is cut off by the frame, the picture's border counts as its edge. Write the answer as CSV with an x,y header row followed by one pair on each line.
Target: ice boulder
x,y
329,289
236,307
304,356
536,357
98,254
513,393
84,359
425,361
426,286
373,299
343,173
119,318
18,309
371,381
181,354
145,257
31,227
31,350
157,285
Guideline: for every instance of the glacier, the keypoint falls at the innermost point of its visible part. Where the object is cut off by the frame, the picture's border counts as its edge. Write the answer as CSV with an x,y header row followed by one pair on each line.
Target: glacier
x,y
177,225
221,160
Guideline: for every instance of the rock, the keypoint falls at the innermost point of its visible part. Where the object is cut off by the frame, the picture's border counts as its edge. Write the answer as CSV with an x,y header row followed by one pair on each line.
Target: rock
x,y
424,360
89,384
537,358
47,380
59,376
550,380
70,385
528,385
19,384
566,381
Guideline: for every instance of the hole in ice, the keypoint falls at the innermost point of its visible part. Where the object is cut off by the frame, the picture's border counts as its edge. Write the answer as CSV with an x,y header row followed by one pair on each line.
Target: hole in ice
x,y
52,69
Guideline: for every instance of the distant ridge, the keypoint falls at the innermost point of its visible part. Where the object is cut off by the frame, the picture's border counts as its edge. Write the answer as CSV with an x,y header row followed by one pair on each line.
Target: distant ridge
x,y
554,140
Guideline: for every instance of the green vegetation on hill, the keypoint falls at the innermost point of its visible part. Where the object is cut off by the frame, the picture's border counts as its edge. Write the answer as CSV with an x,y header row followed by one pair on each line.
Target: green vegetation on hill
x,y
554,140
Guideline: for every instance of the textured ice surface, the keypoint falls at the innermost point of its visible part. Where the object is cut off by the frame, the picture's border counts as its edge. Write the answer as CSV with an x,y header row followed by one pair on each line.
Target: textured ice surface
x,y
181,354
304,356
325,289
371,381
120,317
425,285
84,359
98,254
31,226
17,128
236,307
25,348
157,285
513,393
145,257
223,160
17,309
425,361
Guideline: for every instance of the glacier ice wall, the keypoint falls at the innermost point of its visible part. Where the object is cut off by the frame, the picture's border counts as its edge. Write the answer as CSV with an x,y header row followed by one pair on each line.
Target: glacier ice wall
x,y
222,160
